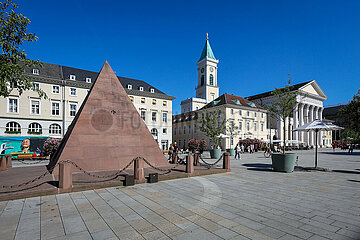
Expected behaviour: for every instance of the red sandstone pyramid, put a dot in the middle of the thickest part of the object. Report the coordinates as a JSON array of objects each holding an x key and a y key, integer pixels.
[{"x": 107, "y": 132}]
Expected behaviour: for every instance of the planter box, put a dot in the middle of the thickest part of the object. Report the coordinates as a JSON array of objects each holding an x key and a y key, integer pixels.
[
  {"x": 215, "y": 153},
  {"x": 231, "y": 151},
  {"x": 283, "y": 162}
]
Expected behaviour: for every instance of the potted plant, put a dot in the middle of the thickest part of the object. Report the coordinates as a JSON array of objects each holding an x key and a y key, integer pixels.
[
  {"x": 282, "y": 107},
  {"x": 212, "y": 127},
  {"x": 232, "y": 130}
]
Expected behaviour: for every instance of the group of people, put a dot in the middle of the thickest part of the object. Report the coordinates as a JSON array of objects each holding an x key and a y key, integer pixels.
[
  {"x": 238, "y": 150},
  {"x": 345, "y": 147}
]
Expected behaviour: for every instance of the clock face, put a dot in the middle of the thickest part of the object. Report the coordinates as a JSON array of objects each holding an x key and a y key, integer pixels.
[
  {"x": 211, "y": 69},
  {"x": 202, "y": 70}
]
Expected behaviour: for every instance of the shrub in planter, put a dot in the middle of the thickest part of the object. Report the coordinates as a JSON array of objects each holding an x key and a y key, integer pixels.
[{"x": 51, "y": 145}]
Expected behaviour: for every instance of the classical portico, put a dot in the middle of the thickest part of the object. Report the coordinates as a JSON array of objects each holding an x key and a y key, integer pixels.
[{"x": 309, "y": 107}]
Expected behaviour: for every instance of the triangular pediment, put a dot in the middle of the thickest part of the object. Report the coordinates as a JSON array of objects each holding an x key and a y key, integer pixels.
[
  {"x": 312, "y": 88},
  {"x": 107, "y": 132}
]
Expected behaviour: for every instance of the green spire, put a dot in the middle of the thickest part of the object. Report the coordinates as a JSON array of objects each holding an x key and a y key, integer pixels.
[{"x": 207, "y": 52}]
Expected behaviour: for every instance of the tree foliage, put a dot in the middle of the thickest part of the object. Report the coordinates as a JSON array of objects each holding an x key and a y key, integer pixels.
[
  {"x": 231, "y": 129},
  {"x": 283, "y": 105},
  {"x": 13, "y": 60},
  {"x": 212, "y": 127},
  {"x": 352, "y": 119}
]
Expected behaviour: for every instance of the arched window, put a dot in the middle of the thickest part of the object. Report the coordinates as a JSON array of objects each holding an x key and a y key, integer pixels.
[
  {"x": 12, "y": 127},
  {"x": 211, "y": 80},
  {"x": 35, "y": 128},
  {"x": 202, "y": 80},
  {"x": 154, "y": 132},
  {"x": 55, "y": 129}
]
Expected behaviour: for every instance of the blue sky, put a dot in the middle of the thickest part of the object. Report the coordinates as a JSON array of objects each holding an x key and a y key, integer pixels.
[{"x": 257, "y": 42}]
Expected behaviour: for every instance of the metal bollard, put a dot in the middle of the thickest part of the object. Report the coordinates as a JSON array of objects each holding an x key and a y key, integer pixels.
[
  {"x": 65, "y": 176},
  {"x": 189, "y": 164},
  {"x": 226, "y": 161},
  {"x": 129, "y": 180},
  {"x": 139, "y": 170}
]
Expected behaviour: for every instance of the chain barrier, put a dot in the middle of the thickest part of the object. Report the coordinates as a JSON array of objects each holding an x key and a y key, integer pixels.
[
  {"x": 210, "y": 165},
  {"x": 29, "y": 163},
  {"x": 100, "y": 176},
  {"x": 166, "y": 171},
  {"x": 25, "y": 183}
]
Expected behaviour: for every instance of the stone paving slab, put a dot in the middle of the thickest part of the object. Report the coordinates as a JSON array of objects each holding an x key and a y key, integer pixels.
[{"x": 251, "y": 202}]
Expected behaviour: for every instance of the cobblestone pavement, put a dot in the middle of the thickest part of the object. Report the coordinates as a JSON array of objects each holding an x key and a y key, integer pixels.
[{"x": 251, "y": 202}]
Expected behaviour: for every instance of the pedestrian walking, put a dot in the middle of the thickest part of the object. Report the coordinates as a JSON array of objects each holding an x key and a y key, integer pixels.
[
  {"x": 237, "y": 151},
  {"x": 171, "y": 151},
  {"x": 351, "y": 149},
  {"x": 242, "y": 148}
]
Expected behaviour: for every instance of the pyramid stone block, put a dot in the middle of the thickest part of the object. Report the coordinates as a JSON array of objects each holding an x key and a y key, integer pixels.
[{"x": 107, "y": 132}]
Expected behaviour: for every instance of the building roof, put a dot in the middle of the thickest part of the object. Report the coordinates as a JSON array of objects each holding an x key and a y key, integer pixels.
[
  {"x": 267, "y": 94},
  {"x": 207, "y": 51},
  {"x": 232, "y": 100},
  {"x": 332, "y": 111},
  {"x": 183, "y": 117},
  {"x": 58, "y": 72}
]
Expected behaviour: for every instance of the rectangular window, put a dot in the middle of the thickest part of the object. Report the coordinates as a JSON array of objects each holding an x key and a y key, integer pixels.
[
  {"x": 153, "y": 116},
  {"x": 231, "y": 111},
  {"x": 36, "y": 86},
  {"x": 164, "y": 103},
  {"x": 175, "y": 131},
  {"x": 35, "y": 107},
  {"x": 72, "y": 91},
  {"x": 36, "y": 71},
  {"x": 231, "y": 141},
  {"x": 255, "y": 114},
  {"x": 55, "y": 89},
  {"x": 194, "y": 128},
  {"x": 240, "y": 126},
  {"x": 248, "y": 113},
  {"x": 179, "y": 130},
  {"x": 189, "y": 129},
  {"x": 262, "y": 115},
  {"x": 13, "y": 105},
  {"x": 143, "y": 114},
  {"x": 184, "y": 130},
  {"x": 255, "y": 127},
  {"x": 55, "y": 108},
  {"x": 262, "y": 127},
  {"x": 240, "y": 113},
  {"x": 72, "y": 77},
  {"x": 164, "y": 117},
  {"x": 73, "y": 110},
  {"x": 248, "y": 126},
  {"x": 142, "y": 100},
  {"x": 164, "y": 130},
  {"x": 154, "y": 101}
]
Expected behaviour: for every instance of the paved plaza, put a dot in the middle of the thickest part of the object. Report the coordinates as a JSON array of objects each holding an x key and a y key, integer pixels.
[{"x": 251, "y": 202}]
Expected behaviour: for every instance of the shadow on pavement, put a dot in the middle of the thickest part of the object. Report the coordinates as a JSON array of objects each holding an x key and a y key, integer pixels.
[
  {"x": 341, "y": 153},
  {"x": 258, "y": 165},
  {"x": 346, "y": 171},
  {"x": 357, "y": 181}
]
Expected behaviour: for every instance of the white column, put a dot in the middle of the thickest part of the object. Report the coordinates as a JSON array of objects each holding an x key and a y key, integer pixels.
[
  {"x": 306, "y": 120},
  {"x": 311, "y": 118},
  {"x": 295, "y": 118},
  {"x": 301, "y": 120}
]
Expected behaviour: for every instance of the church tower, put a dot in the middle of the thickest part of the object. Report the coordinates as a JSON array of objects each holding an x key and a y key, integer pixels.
[{"x": 207, "y": 87}]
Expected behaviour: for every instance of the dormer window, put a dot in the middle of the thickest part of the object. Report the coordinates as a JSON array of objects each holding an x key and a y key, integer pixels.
[
  {"x": 141, "y": 88},
  {"x": 72, "y": 77},
  {"x": 152, "y": 90},
  {"x": 88, "y": 80},
  {"x": 129, "y": 86},
  {"x": 36, "y": 71}
]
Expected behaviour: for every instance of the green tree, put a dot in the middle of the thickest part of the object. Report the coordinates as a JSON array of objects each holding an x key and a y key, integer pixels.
[
  {"x": 352, "y": 113},
  {"x": 283, "y": 105},
  {"x": 212, "y": 127},
  {"x": 231, "y": 129},
  {"x": 13, "y": 60}
]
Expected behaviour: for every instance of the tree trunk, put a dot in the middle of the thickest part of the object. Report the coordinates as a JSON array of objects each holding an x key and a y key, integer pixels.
[{"x": 284, "y": 130}]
